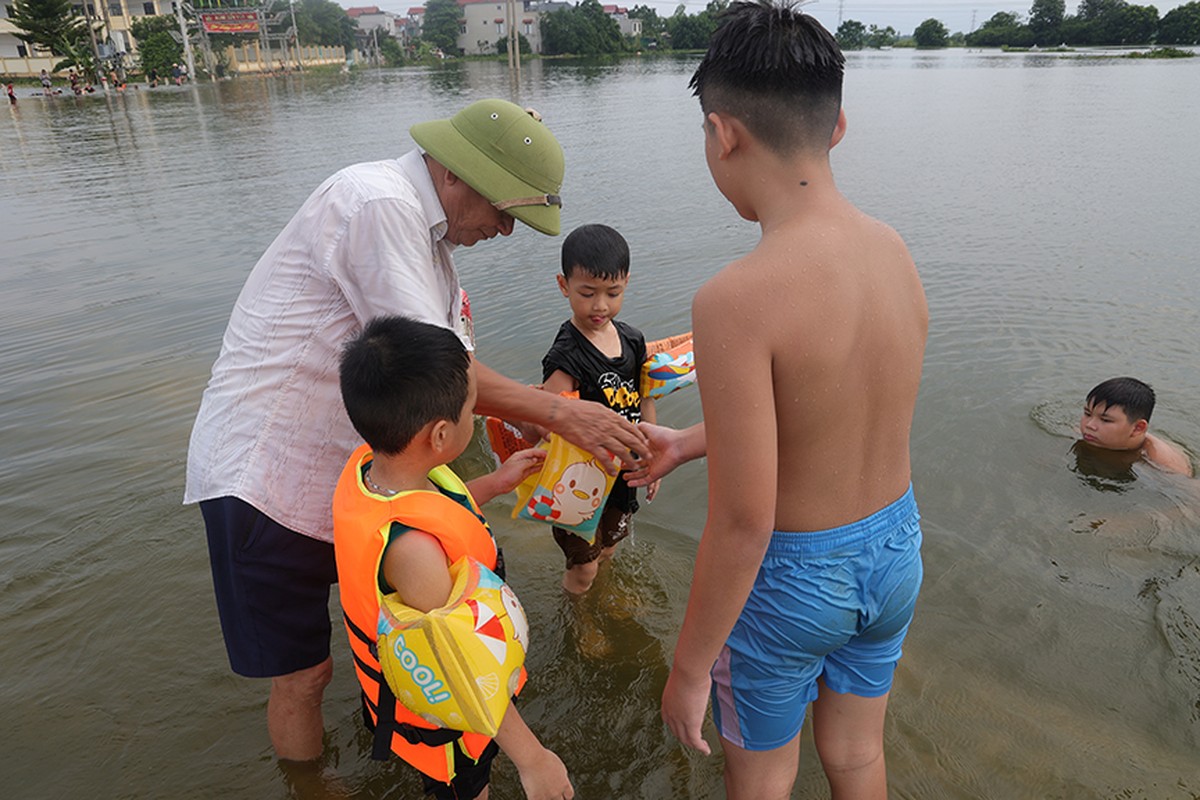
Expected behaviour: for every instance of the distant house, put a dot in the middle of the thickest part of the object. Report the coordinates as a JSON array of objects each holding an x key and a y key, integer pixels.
[
  {"x": 629, "y": 27},
  {"x": 483, "y": 24},
  {"x": 369, "y": 18},
  {"x": 413, "y": 22}
]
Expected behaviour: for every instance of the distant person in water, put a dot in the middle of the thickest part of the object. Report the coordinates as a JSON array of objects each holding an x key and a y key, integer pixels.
[{"x": 1116, "y": 416}]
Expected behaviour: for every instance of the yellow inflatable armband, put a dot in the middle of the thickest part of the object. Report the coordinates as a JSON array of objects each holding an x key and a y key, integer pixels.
[
  {"x": 670, "y": 365},
  {"x": 569, "y": 492},
  {"x": 457, "y": 666}
]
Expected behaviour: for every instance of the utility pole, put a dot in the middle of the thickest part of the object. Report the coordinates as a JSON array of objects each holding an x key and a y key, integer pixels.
[
  {"x": 264, "y": 43},
  {"x": 514, "y": 43},
  {"x": 87, "y": 14},
  {"x": 189, "y": 56},
  {"x": 840, "y": 4},
  {"x": 295, "y": 36},
  {"x": 120, "y": 70}
]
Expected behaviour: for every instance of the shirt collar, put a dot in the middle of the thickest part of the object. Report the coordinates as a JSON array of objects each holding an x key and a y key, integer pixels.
[{"x": 413, "y": 164}]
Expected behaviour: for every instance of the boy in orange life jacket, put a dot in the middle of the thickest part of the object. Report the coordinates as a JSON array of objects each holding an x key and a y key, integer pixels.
[{"x": 409, "y": 389}]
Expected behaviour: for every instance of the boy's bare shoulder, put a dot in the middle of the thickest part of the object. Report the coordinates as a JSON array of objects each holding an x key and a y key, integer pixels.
[
  {"x": 1167, "y": 456},
  {"x": 736, "y": 296}
]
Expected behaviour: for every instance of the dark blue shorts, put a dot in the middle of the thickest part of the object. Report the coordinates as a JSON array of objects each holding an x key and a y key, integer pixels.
[
  {"x": 830, "y": 605},
  {"x": 272, "y": 586}
]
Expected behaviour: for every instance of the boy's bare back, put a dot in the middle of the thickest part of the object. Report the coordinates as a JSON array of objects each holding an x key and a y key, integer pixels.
[{"x": 828, "y": 318}]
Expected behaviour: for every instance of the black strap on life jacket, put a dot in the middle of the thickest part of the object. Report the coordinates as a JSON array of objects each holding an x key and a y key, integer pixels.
[{"x": 385, "y": 710}]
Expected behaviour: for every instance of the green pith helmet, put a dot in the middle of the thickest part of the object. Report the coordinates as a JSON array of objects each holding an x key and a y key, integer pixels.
[{"x": 506, "y": 154}]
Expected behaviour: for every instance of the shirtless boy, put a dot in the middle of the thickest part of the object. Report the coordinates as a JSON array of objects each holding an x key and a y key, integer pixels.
[
  {"x": 1116, "y": 416},
  {"x": 810, "y": 349}
]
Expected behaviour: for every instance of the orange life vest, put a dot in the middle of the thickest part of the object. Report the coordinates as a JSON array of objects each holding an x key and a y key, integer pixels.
[{"x": 361, "y": 521}]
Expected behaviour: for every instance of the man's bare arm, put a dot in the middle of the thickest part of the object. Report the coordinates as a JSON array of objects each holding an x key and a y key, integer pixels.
[
  {"x": 741, "y": 441},
  {"x": 599, "y": 430}
]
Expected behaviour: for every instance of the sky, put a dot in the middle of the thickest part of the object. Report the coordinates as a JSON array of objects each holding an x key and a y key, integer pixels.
[{"x": 903, "y": 15}]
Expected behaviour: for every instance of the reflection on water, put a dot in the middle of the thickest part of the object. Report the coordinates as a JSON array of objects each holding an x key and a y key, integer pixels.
[
  {"x": 1046, "y": 201},
  {"x": 1104, "y": 470}
]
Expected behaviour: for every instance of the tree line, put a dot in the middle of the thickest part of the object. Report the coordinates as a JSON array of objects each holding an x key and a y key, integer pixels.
[
  {"x": 1096, "y": 22},
  {"x": 584, "y": 29},
  {"x": 54, "y": 25}
]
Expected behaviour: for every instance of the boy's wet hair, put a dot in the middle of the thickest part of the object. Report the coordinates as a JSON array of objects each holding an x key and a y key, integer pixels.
[
  {"x": 398, "y": 375},
  {"x": 1134, "y": 396},
  {"x": 597, "y": 250},
  {"x": 778, "y": 71}
]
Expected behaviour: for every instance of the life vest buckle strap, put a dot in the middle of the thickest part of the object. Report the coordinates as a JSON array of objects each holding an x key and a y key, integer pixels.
[{"x": 431, "y": 737}]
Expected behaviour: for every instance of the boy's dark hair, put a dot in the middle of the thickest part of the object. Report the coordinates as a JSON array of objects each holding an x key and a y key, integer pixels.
[
  {"x": 397, "y": 376},
  {"x": 778, "y": 71},
  {"x": 597, "y": 250},
  {"x": 1136, "y": 397}
]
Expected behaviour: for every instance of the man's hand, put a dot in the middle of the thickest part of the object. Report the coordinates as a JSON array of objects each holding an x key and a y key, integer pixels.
[
  {"x": 600, "y": 431},
  {"x": 683, "y": 705}
]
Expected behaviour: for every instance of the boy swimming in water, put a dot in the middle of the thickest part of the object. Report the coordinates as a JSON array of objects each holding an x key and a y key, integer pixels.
[
  {"x": 409, "y": 389},
  {"x": 1116, "y": 416},
  {"x": 809, "y": 350}
]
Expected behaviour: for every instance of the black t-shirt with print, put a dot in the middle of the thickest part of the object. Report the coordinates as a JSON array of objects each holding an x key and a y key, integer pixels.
[{"x": 614, "y": 382}]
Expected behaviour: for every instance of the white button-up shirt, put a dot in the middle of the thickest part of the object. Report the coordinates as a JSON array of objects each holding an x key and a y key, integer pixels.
[{"x": 271, "y": 429}]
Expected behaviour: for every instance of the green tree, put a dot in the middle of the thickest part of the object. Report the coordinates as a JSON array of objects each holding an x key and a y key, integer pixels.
[
  {"x": 523, "y": 45},
  {"x": 931, "y": 33},
  {"x": 1128, "y": 24},
  {"x": 1094, "y": 9},
  {"x": 881, "y": 37},
  {"x": 693, "y": 32},
  {"x": 51, "y": 24},
  {"x": 851, "y": 35},
  {"x": 392, "y": 52},
  {"x": 157, "y": 49},
  {"x": 1004, "y": 28},
  {"x": 580, "y": 30},
  {"x": 321, "y": 22},
  {"x": 1045, "y": 21},
  {"x": 1181, "y": 25},
  {"x": 440, "y": 27}
]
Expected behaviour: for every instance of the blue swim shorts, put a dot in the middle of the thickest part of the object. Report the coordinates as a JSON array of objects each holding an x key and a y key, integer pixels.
[{"x": 832, "y": 604}]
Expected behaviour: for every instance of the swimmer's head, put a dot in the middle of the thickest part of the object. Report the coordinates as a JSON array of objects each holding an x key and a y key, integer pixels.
[
  {"x": 1116, "y": 414},
  {"x": 778, "y": 71}
]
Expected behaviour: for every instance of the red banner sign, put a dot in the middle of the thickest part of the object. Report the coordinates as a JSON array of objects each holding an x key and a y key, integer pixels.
[{"x": 229, "y": 21}]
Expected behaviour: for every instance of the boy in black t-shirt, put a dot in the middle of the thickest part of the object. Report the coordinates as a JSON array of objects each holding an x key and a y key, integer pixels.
[{"x": 602, "y": 359}]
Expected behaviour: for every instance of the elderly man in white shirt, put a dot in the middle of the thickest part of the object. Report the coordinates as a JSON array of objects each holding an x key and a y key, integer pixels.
[{"x": 271, "y": 435}]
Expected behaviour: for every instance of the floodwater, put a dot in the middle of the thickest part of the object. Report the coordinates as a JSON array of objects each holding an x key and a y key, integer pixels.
[{"x": 1051, "y": 206}]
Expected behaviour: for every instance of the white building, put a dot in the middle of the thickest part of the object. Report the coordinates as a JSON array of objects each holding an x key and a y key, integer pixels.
[
  {"x": 482, "y": 25},
  {"x": 369, "y": 18},
  {"x": 18, "y": 58},
  {"x": 629, "y": 27}
]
